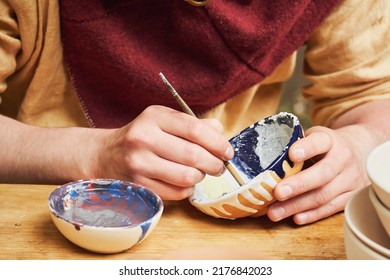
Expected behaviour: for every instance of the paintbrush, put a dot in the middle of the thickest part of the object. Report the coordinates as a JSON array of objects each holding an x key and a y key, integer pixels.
[{"x": 188, "y": 110}]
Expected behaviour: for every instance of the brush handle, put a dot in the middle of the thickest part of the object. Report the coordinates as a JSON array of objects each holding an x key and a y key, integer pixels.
[
  {"x": 184, "y": 105},
  {"x": 234, "y": 173},
  {"x": 178, "y": 98}
]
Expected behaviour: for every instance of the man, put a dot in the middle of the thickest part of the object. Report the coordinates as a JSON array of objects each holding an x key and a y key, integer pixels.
[{"x": 81, "y": 95}]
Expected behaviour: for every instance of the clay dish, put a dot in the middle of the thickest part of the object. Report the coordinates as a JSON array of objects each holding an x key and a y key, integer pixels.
[
  {"x": 378, "y": 169},
  {"x": 364, "y": 236},
  {"x": 261, "y": 159},
  {"x": 103, "y": 215},
  {"x": 382, "y": 211}
]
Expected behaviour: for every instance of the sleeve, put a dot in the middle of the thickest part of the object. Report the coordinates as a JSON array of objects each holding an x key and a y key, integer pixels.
[
  {"x": 347, "y": 60},
  {"x": 10, "y": 43}
]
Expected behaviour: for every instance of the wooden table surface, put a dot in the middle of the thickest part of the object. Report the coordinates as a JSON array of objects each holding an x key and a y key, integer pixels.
[{"x": 27, "y": 232}]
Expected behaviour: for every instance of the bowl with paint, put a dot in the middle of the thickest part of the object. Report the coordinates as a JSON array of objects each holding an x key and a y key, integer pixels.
[
  {"x": 261, "y": 160},
  {"x": 105, "y": 215}
]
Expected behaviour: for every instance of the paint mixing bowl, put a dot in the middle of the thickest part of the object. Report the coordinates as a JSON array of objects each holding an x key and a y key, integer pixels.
[
  {"x": 261, "y": 160},
  {"x": 104, "y": 215}
]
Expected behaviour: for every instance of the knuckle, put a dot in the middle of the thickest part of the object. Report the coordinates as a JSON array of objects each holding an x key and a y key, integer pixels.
[
  {"x": 327, "y": 172},
  {"x": 331, "y": 208},
  {"x": 323, "y": 196},
  {"x": 195, "y": 129},
  {"x": 189, "y": 177},
  {"x": 135, "y": 164},
  {"x": 138, "y": 137},
  {"x": 325, "y": 132},
  {"x": 215, "y": 123},
  {"x": 301, "y": 187},
  {"x": 192, "y": 155},
  {"x": 348, "y": 154},
  {"x": 293, "y": 207},
  {"x": 152, "y": 110}
]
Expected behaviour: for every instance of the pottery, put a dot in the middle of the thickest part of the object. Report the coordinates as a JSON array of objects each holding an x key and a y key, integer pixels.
[
  {"x": 382, "y": 211},
  {"x": 378, "y": 170},
  {"x": 364, "y": 234},
  {"x": 261, "y": 160},
  {"x": 104, "y": 215},
  {"x": 356, "y": 249}
]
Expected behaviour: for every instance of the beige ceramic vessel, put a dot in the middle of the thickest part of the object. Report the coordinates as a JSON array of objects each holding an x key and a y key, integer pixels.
[
  {"x": 378, "y": 169},
  {"x": 364, "y": 236},
  {"x": 382, "y": 211}
]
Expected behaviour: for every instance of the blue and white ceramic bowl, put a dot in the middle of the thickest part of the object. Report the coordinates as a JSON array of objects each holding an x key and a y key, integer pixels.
[
  {"x": 261, "y": 160},
  {"x": 104, "y": 215}
]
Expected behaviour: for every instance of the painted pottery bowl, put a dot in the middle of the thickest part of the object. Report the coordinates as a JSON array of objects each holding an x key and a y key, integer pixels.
[
  {"x": 261, "y": 160},
  {"x": 364, "y": 235},
  {"x": 378, "y": 169},
  {"x": 382, "y": 211},
  {"x": 104, "y": 215}
]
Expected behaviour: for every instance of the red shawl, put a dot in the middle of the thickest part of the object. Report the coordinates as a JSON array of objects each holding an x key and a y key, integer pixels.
[{"x": 115, "y": 50}]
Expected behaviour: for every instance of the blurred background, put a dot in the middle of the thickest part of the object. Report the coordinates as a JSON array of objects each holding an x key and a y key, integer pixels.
[{"x": 292, "y": 100}]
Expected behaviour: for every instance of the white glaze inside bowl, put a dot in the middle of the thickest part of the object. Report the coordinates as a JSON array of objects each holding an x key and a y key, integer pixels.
[
  {"x": 271, "y": 142},
  {"x": 216, "y": 186}
]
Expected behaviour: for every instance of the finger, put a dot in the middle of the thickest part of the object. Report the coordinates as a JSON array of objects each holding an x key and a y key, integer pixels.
[
  {"x": 319, "y": 174},
  {"x": 306, "y": 201},
  {"x": 188, "y": 154},
  {"x": 215, "y": 123},
  {"x": 148, "y": 165},
  {"x": 199, "y": 132},
  {"x": 334, "y": 206},
  {"x": 164, "y": 190},
  {"x": 317, "y": 141}
]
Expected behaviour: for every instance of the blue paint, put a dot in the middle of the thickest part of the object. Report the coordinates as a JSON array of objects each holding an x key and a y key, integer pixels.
[
  {"x": 145, "y": 228},
  {"x": 244, "y": 144},
  {"x": 244, "y": 158},
  {"x": 103, "y": 202}
]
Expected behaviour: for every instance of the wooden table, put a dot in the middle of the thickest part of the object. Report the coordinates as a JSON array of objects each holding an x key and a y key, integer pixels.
[{"x": 27, "y": 232}]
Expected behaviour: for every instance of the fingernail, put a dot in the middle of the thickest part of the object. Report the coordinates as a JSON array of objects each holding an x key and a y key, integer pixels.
[
  {"x": 229, "y": 153},
  {"x": 301, "y": 218},
  {"x": 278, "y": 213},
  {"x": 299, "y": 154},
  {"x": 284, "y": 192},
  {"x": 190, "y": 191},
  {"x": 222, "y": 171}
]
